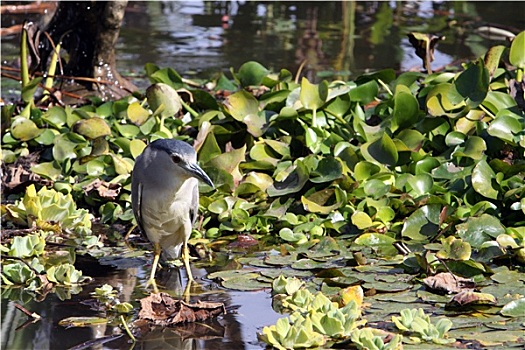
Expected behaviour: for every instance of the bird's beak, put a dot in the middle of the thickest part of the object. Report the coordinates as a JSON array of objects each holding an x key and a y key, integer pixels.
[{"x": 196, "y": 171}]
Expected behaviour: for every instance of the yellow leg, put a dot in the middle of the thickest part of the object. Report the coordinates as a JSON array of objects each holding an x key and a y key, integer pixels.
[
  {"x": 156, "y": 257},
  {"x": 186, "y": 259}
]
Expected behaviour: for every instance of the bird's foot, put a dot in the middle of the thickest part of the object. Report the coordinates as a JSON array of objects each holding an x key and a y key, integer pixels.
[{"x": 152, "y": 283}]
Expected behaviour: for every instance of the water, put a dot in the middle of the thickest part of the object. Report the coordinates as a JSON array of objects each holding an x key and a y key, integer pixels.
[
  {"x": 198, "y": 39},
  {"x": 338, "y": 39},
  {"x": 247, "y": 313}
]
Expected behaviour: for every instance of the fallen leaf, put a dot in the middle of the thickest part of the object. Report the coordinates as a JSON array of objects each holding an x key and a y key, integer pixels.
[
  {"x": 19, "y": 175},
  {"x": 468, "y": 297},
  {"x": 446, "y": 282},
  {"x": 244, "y": 241},
  {"x": 354, "y": 293},
  {"x": 104, "y": 189},
  {"x": 161, "y": 309}
]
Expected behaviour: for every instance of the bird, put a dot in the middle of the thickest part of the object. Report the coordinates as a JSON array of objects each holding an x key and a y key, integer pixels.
[{"x": 165, "y": 198}]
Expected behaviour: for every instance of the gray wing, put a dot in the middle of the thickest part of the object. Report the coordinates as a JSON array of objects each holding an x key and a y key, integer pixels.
[
  {"x": 136, "y": 201},
  {"x": 194, "y": 208}
]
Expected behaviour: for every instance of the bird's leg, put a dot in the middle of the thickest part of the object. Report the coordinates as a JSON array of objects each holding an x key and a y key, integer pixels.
[
  {"x": 187, "y": 291},
  {"x": 186, "y": 259},
  {"x": 151, "y": 281}
]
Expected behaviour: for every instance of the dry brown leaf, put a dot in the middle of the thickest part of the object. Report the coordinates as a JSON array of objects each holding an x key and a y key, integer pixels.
[
  {"x": 472, "y": 298},
  {"x": 104, "y": 189},
  {"x": 19, "y": 175},
  {"x": 161, "y": 309},
  {"x": 446, "y": 282}
]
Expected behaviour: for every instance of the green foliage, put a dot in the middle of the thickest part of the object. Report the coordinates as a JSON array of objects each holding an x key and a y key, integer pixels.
[
  {"x": 315, "y": 318},
  {"x": 50, "y": 210},
  {"x": 416, "y": 158},
  {"x": 416, "y": 321},
  {"x": 367, "y": 339},
  {"x": 108, "y": 297}
]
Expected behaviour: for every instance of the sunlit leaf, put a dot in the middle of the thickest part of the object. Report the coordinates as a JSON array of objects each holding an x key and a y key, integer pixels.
[
  {"x": 482, "y": 176},
  {"x": 92, "y": 128}
]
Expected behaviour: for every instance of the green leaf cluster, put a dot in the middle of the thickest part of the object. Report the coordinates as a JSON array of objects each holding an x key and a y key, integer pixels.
[
  {"x": 51, "y": 210},
  {"x": 315, "y": 318},
  {"x": 416, "y": 321}
]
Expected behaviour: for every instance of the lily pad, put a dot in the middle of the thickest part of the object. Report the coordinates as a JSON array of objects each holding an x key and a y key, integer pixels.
[
  {"x": 515, "y": 308},
  {"x": 24, "y": 129},
  {"x": 92, "y": 128}
]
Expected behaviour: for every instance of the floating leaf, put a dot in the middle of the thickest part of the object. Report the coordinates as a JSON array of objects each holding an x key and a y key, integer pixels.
[
  {"x": 292, "y": 184},
  {"x": 516, "y": 56},
  {"x": 383, "y": 150},
  {"x": 313, "y": 96},
  {"x": 505, "y": 126},
  {"x": 82, "y": 321},
  {"x": 92, "y": 128},
  {"x": 454, "y": 249},
  {"x": 473, "y": 84},
  {"x": 163, "y": 100},
  {"x": 406, "y": 109},
  {"x": 515, "y": 308},
  {"x": 473, "y": 298},
  {"x": 422, "y": 223},
  {"x": 478, "y": 230},
  {"x": 242, "y": 104},
  {"x": 251, "y": 73},
  {"x": 361, "y": 220},
  {"x": 24, "y": 129},
  {"x": 448, "y": 283},
  {"x": 137, "y": 114}
]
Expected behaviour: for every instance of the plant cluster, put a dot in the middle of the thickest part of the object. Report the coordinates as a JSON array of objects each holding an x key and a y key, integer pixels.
[{"x": 435, "y": 161}]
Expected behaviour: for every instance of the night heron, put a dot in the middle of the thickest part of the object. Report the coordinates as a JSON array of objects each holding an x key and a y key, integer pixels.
[{"x": 165, "y": 198}]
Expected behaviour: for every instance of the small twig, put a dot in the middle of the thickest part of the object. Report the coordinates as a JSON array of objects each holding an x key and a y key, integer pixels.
[
  {"x": 299, "y": 71},
  {"x": 33, "y": 315}
]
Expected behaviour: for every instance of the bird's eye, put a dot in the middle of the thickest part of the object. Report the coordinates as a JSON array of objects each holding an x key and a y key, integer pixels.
[{"x": 176, "y": 159}]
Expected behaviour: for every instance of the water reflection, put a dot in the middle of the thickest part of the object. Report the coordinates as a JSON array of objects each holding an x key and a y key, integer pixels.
[
  {"x": 339, "y": 39},
  {"x": 247, "y": 313}
]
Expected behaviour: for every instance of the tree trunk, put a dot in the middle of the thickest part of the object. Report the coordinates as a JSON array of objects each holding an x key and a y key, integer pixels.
[{"x": 89, "y": 31}]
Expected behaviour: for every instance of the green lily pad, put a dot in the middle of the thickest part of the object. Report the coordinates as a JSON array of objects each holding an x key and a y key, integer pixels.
[
  {"x": 515, "y": 308},
  {"x": 251, "y": 73},
  {"x": 362, "y": 220},
  {"x": 137, "y": 114},
  {"x": 313, "y": 96},
  {"x": 473, "y": 84},
  {"x": 242, "y": 104},
  {"x": 293, "y": 183},
  {"x": 516, "y": 56},
  {"x": 423, "y": 223},
  {"x": 406, "y": 108},
  {"x": 328, "y": 169},
  {"x": 383, "y": 150},
  {"x": 478, "y": 230},
  {"x": 92, "y": 128},
  {"x": 47, "y": 170},
  {"x": 163, "y": 100},
  {"x": 24, "y": 129},
  {"x": 364, "y": 170},
  {"x": 505, "y": 126},
  {"x": 454, "y": 249}
]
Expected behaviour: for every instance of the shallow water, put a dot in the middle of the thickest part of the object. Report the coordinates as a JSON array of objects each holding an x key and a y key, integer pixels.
[{"x": 247, "y": 313}]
